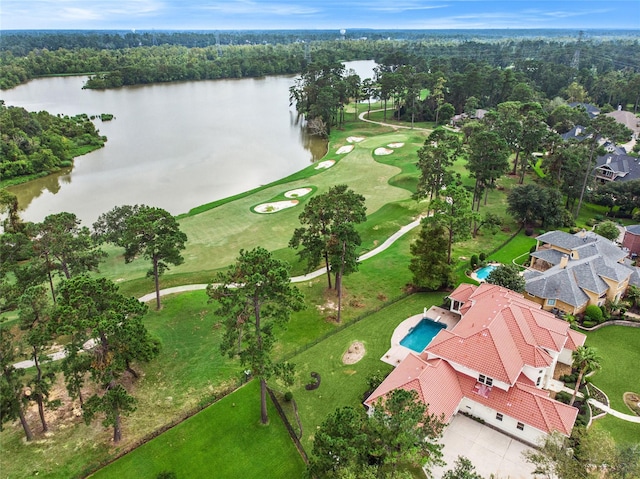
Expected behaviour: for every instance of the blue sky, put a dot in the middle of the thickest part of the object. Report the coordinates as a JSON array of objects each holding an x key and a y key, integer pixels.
[{"x": 317, "y": 14}]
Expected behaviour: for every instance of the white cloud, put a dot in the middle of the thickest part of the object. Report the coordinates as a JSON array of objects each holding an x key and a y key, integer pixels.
[{"x": 244, "y": 7}]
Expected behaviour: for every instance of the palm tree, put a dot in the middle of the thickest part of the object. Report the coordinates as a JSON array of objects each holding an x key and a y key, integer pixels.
[
  {"x": 633, "y": 295},
  {"x": 585, "y": 359}
]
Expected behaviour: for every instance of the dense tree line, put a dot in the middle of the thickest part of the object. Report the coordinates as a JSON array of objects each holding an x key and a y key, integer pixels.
[{"x": 34, "y": 143}]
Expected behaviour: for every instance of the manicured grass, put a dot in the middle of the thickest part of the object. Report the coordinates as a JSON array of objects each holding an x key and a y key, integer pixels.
[
  {"x": 226, "y": 440},
  {"x": 618, "y": 348},
  {"x": 341, "y": 384}
]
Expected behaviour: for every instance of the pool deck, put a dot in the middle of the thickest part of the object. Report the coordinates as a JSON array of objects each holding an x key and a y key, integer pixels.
[
  {"x": 474, "y": 276},
  {"x": 397, "y": 352}
]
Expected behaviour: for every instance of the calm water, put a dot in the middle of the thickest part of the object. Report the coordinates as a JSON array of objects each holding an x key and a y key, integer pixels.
[
  {"x": 175, "y": 145},
  {"x": 421, "y": 335}
]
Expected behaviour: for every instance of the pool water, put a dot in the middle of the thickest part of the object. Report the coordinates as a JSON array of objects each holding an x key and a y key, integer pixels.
[
  {"x": 421, "y": 335},
  {"x": 483, "y": 272}
]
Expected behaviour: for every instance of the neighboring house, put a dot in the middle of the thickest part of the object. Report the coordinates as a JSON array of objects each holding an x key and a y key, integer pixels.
[
  {"x": 569, "y": 272},
  {"x": 628, "y": 119},
  {"x": 575, "y": 133},
  {"x": 631, "y": 240},
  {"x": 494, "y": 364},
  {"x": 617, "y": 167},
  {"x": 591, "y": 110}
]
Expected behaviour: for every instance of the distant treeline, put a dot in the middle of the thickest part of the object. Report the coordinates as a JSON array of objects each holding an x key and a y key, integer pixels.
[
  {"x": 547, "y": 65},
  {"x": 33, "y": 144}
]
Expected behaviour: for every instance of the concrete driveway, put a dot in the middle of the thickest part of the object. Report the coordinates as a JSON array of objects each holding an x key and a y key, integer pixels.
[{"x": 490, "y": 452}]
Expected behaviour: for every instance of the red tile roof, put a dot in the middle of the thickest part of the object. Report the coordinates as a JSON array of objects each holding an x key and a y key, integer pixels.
[
  {"x": 527, "y": 404},
  {"x": 442, "y": 388},
  {"x": 435, "y": 381},
  {"x": 500, "y": 332}
]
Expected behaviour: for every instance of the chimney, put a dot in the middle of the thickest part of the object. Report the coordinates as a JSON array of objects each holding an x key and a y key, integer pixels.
[{"x": 563, "y": 261}]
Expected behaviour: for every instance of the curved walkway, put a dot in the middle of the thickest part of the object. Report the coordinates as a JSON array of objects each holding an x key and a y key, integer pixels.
[
  {"x": 607, "y": 409},
  {"x": 364, "y": 113},
  {"x": 296, "y": 279}
]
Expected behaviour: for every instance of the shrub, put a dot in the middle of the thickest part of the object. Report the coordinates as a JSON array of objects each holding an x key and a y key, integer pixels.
[
  {"x": 563, "y": 397},
  {"x": 474, "y": 261},
  {"x": 288, "y": 396},
  {"x": 592, "y": 222},
  {"x": 589, "y": 323},
  {"x": 315, "y": 384},
  {"x": 593, "y": 313},
  {"x": 482, "y": 256},
  {"x": 528, "y": 231}
]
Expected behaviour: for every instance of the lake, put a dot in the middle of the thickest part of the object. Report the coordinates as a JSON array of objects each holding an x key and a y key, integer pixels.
[{"x": 171, "y": 145}]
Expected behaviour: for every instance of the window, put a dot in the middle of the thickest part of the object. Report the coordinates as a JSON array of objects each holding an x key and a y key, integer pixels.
[
  {"x": 551, "y": 302},
  {"x": 539, "y": 381},
  {"x": 499, "y": 416},
  {"x": 485, "y": 380},
  {"x": 520, "y": 426}
]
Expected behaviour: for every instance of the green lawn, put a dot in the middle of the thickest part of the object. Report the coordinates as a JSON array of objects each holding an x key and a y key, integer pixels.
[
  {"x": 225, "y": 440},
  {"x": 342, "y": 384},
  {"x": 618, "y": 348}
]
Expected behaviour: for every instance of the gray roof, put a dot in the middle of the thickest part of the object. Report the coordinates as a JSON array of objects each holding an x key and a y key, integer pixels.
[
  {"x": 592, "y": 110},
  {"x": 564, "y": 240},
  {"x": 635, "y": 277},
  {"x": 634, "y": 229},
  {"x": 598, "y": 258},
  {"x": 551, "y": 256},
  {"x": 555, "y": 286},
  {"x": 625, "y": 167},
  {"x": 577, "y": 132}
]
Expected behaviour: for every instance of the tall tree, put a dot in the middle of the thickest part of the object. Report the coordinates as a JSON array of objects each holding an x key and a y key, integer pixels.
[
  {"x": 531, "y": 203},
  {"x": 35, "y": 320},
  {"x": 12, "y": 399},
  {"x": 488, "y": 160},
  {"x": 402, "y": 431},
  {"x": 435, "y": 159},
  {"x": 454, "y": 213},
  {"x": 585, "y": 359},
  {"x": 255, "y": 296},
  {"x": 93, "y": 310},
  {"x": 428, "y": 264},
  {"x": 9, "y": 206},
  {"x": 64, "y": 246},
  {"x": 323, "y": 217},
  {"x": 147, "y": 231},
  {"x": 437, "y": 94}
]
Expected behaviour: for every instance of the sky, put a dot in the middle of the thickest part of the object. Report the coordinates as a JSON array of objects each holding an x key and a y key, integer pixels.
[{"x": 317, "y": 14}]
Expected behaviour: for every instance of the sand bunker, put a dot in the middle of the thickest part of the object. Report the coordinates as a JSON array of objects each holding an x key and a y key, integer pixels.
[
  {"x": 395, "y": 145},
  {"x": 344, "y": 149},
  {"x": 297, "y": 193},
  {"x": 275, "y": 206},
  {"x": 355, "y": 139},
  {"x": 325, "y": 164},
  {"x": 382, "y": 151},
  {"x": 354, "y": 354}
]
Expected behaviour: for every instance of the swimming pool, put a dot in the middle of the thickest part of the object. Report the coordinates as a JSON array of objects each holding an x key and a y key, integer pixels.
[
  {"x": 421, "y": 334},
  {"x": 483, "y": 272}
]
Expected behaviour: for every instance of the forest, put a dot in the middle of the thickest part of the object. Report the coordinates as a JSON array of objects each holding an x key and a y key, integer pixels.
[{"x": 37, "y": 143}]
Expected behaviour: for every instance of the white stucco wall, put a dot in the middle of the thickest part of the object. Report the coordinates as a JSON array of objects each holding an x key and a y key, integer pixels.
[{"x": 508, "y": 424}]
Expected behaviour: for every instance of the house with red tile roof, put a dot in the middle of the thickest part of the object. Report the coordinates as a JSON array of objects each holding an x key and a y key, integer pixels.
[{"x": 496, "y": 364}]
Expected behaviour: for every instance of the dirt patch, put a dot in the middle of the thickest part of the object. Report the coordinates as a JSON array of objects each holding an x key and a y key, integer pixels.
[
  {"x": 632, "y": 400},
  {"x": 354, "y": 353}
]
